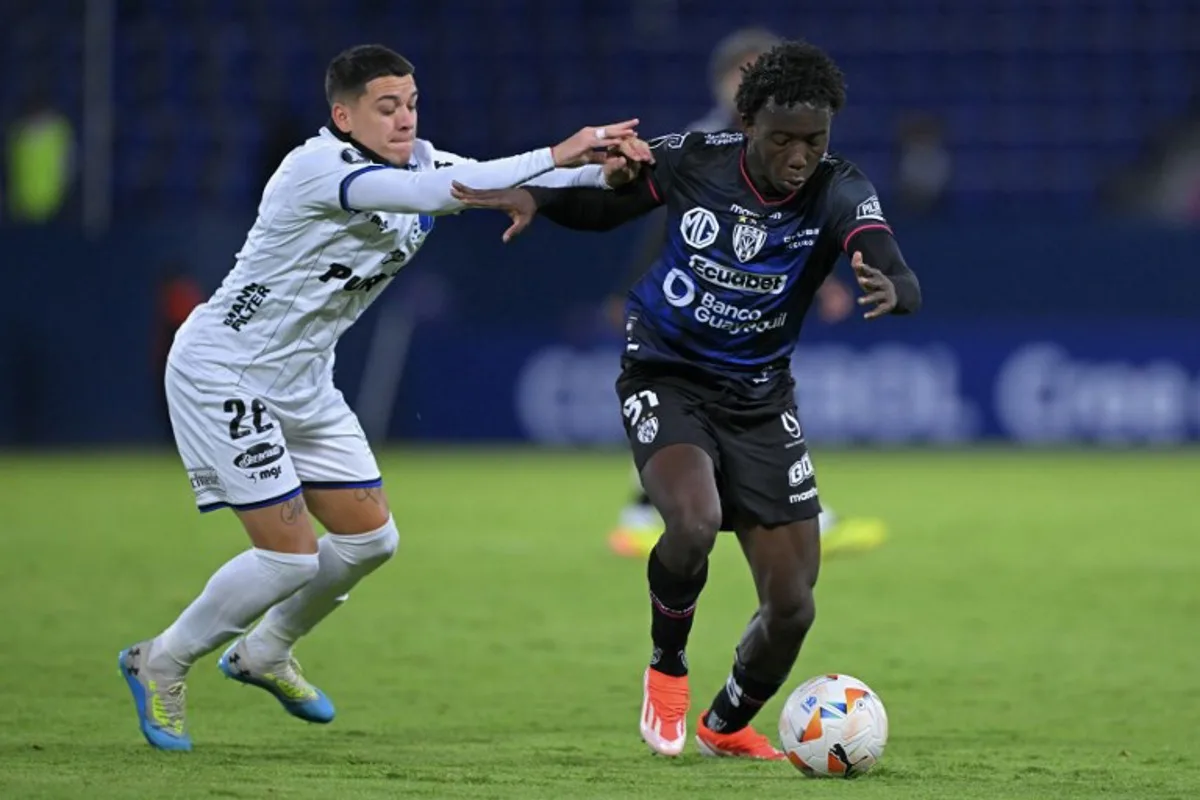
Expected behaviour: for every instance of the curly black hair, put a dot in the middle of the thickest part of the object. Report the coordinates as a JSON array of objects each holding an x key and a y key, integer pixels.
[{"x": 794, "y": 72}]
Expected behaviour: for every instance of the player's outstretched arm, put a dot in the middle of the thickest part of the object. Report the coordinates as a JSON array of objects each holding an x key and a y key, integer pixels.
[
  {"x": 403, "y": 191},
  {"x": 577, "y": 208},
  {"x": 608, "y": 169},
  {"x": 883, "y": 275}
]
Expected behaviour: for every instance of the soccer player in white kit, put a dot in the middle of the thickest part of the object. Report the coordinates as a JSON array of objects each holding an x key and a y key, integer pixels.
[{"x": 258, "y": 422}]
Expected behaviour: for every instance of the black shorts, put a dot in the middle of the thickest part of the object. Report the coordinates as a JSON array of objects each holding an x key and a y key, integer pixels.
[{"x": 752, "y": 432}]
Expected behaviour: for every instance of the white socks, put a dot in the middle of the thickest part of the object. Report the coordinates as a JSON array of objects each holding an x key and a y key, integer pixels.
[
  {"x": 344, "y": 560},
  {"x": 236, "y": 594}
]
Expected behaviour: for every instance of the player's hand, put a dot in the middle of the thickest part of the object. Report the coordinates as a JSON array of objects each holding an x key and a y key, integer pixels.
[
  {"x": 835, "y": 301},
  {"x": 517, "y": 203},
  {"x": 578, "y": 150},
  {"x": 878, "y": 287},
  {"x": 623, "y": 162}
]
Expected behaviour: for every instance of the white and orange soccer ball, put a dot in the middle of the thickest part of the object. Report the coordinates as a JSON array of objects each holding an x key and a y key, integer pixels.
[{"x": 833, "y": 726}]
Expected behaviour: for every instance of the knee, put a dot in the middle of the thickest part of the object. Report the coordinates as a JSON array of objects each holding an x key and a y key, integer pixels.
[
  {"x": 691, "y": 532},
  {"x": 378, "y": 546},
  {"x": 791, "y": 615},
  {"x": 288, "y": 571},
  {"x": 389, "y": 541},
  {"x": 307, "y": 570}
]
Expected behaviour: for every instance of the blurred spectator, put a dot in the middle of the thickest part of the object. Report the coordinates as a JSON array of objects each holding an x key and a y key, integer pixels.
[
  {"x": 1165, "y": 183},
  {"x": 923, "y": 165},
  {"x": 178, "y": 294},
  {"x": 40, "y": 154}
]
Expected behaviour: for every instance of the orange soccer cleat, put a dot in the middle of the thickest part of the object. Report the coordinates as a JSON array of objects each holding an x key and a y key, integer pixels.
[
  {"x": 744, "y": 743},
  {"x": 665, "y": 700}
]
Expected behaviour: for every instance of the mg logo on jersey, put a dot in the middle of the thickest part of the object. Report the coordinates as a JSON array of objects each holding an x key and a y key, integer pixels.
[
  {"x": 730, "y": 278},
  {"x": 747, "y": 241},
  {"x": 699, "y": 228}
]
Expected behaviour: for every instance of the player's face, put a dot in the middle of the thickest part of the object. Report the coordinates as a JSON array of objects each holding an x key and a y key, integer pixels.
[
  {"x": 384, "y": 117},
  {"x": 786, "y": 144}
]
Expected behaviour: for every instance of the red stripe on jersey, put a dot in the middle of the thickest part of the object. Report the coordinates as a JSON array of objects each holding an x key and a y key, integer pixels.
[
  {"x": 753, "y": 188},
  {"x": 654, "y": 190},
  {"x": 860, "y": 229}
]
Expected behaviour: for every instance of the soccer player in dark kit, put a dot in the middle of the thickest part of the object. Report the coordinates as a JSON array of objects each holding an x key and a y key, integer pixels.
[{"x": 757, "y": 222}]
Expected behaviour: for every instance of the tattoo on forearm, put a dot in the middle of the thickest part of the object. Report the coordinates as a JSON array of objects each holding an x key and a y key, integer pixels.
[{"x": 291, "y": 511}]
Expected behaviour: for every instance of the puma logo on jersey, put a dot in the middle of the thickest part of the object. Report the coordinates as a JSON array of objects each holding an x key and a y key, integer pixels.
[{"x": 340, "y": 272}]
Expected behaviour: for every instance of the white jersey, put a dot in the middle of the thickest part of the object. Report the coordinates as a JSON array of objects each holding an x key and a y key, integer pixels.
[{"x": 334, "y": 226}]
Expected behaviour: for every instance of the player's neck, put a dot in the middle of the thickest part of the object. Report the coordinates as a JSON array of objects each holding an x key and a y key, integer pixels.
[
  {"x": 758, "y": 179},
  {"x": 348, "y": 138}
]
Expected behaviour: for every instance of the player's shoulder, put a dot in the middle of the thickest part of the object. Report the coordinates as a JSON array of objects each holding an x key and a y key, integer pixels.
[
  {"x": 426, "y": 155},
  {"x": 847, "y": 186},
  {"x": 698, "y": 147},
  {"x": 699, "y": 141},
  {"x": 322, "y": 154},
  {"x": 841, "y": 170}
]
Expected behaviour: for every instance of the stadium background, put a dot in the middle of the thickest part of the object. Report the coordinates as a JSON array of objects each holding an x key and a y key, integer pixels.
[
  {"x": 1057, "y": 256},
  {"x": 1029, "y": 621}
]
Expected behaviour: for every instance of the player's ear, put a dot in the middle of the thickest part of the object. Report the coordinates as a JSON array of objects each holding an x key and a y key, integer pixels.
[{"x": 340, "y": 115}]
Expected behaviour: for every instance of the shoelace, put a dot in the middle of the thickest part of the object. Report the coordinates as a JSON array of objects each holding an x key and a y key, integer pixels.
[
  {"x": 291, "y": 681},
  {"x": 169, "y": 706},
  {"x": 670, "y": 700}
]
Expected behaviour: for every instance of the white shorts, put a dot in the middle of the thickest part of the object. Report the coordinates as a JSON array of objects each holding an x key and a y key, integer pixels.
[{"x": 246, "y": 452}]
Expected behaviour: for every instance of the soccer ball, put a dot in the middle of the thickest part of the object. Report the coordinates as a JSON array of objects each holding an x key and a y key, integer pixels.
[{"x": 833, "y": 726}]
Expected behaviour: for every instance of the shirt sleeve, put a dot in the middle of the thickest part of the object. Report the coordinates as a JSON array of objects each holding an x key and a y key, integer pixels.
[
  {"x": 856, "y": 208},
  {"x": 591, "y": 175},
  {"x": 379, "y": 188},
  {"x": 329, "y": 181},
  {"x": 668, "y": 153},
  {"x": 590, "y": 209},
  {"x": 860, "y": 225}
]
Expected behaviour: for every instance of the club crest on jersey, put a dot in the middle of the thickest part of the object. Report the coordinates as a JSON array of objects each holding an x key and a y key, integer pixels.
[
  {"x": 647, "y": 430},
  {"x": 747, "y": 241}
]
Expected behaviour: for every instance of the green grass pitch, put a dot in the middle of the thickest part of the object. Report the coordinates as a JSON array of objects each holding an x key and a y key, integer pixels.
[{"x": 1032, "y": 624}]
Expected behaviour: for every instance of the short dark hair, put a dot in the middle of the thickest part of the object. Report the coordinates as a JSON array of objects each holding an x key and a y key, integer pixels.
[
  {"x": 351, "y": 70},
  {"x": 792, "y": 73}
]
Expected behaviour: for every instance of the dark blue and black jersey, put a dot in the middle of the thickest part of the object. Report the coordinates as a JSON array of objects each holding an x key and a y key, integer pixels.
[{"x": 738, "y": 271}]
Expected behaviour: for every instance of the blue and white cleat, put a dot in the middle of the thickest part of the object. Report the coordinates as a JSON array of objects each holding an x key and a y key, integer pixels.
[
  {"x": 284, "y": 680},
  {"x": 160, "y": 699}
]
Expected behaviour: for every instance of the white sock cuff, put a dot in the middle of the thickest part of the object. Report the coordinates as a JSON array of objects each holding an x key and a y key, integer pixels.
[
  {"x": 359, "y": 547},
  {"x": 275, "y": 558},
  {"x": 298, "y": 568}
]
